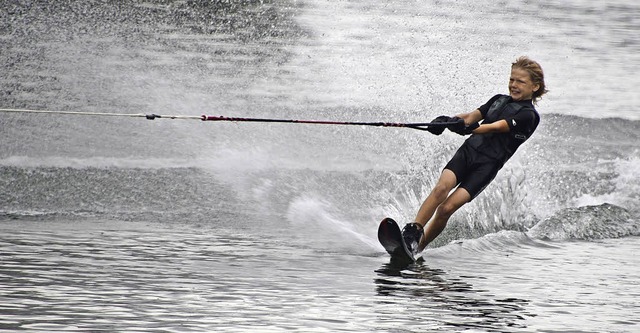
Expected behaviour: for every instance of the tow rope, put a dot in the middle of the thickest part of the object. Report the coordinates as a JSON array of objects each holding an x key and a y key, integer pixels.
[{"x": 152, "y": 116}]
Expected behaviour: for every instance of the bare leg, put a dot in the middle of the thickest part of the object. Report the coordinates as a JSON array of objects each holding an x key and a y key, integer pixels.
[
  {"x": 437, "y": 196},
  {"x": 457, "y": 199}
]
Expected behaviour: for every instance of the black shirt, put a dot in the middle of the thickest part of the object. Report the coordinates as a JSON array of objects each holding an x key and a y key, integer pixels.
[
  {"x": 522, "y": 118},
  {"x": 522, "y": 121}
]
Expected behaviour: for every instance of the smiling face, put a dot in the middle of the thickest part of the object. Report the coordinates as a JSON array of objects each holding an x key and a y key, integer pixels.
[{"x": 521, "y": 87}]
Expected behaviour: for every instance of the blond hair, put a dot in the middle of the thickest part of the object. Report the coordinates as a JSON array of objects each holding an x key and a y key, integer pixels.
[{"x": 535, "y": 73}]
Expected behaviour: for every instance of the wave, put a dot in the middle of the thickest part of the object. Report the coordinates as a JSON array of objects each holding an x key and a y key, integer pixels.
[
  {"x": 588, "y": 223},
  {"x": 499, "y": 241},
  {"x": 97, "y": 162},
  {"x": 610, "y": 132},
  {"x": 176, "y": 194},
  {"x": 39, "y": 215}
]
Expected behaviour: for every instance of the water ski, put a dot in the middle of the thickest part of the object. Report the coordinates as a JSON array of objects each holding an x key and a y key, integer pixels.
[{"x": 390, "y": 236}]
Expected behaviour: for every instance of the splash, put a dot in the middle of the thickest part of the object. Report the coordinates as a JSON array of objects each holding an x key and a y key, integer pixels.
[
  {"x": 321, "y": 219},
  {"x": 625, "y": 186}
]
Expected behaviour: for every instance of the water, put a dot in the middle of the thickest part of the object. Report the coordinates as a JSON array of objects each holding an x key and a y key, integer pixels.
[
  {"x": 126, "y": 224},
  {"x": 137, "y": 277}
]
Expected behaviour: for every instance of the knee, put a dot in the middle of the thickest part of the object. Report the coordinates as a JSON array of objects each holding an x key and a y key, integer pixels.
[
  {"x": 440, "y": 191},
  {"x": 446, "y": 210}
]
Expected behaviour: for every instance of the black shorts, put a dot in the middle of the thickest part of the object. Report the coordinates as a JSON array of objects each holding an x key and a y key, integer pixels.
[{"x": 473, "y": 170}]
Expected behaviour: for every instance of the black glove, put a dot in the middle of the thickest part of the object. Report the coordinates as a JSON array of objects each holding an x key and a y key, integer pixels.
[
  {"x": 460, "y": 128},
  {"x": 438, "y": 129},
  {"x": 457, "y": 126}
]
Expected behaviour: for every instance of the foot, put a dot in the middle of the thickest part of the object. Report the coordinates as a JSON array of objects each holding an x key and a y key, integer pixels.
[{"x": 412, "y": 233}]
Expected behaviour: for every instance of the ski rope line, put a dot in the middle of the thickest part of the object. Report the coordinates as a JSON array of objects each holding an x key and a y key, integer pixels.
[{"x": 152, "y": 116}]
